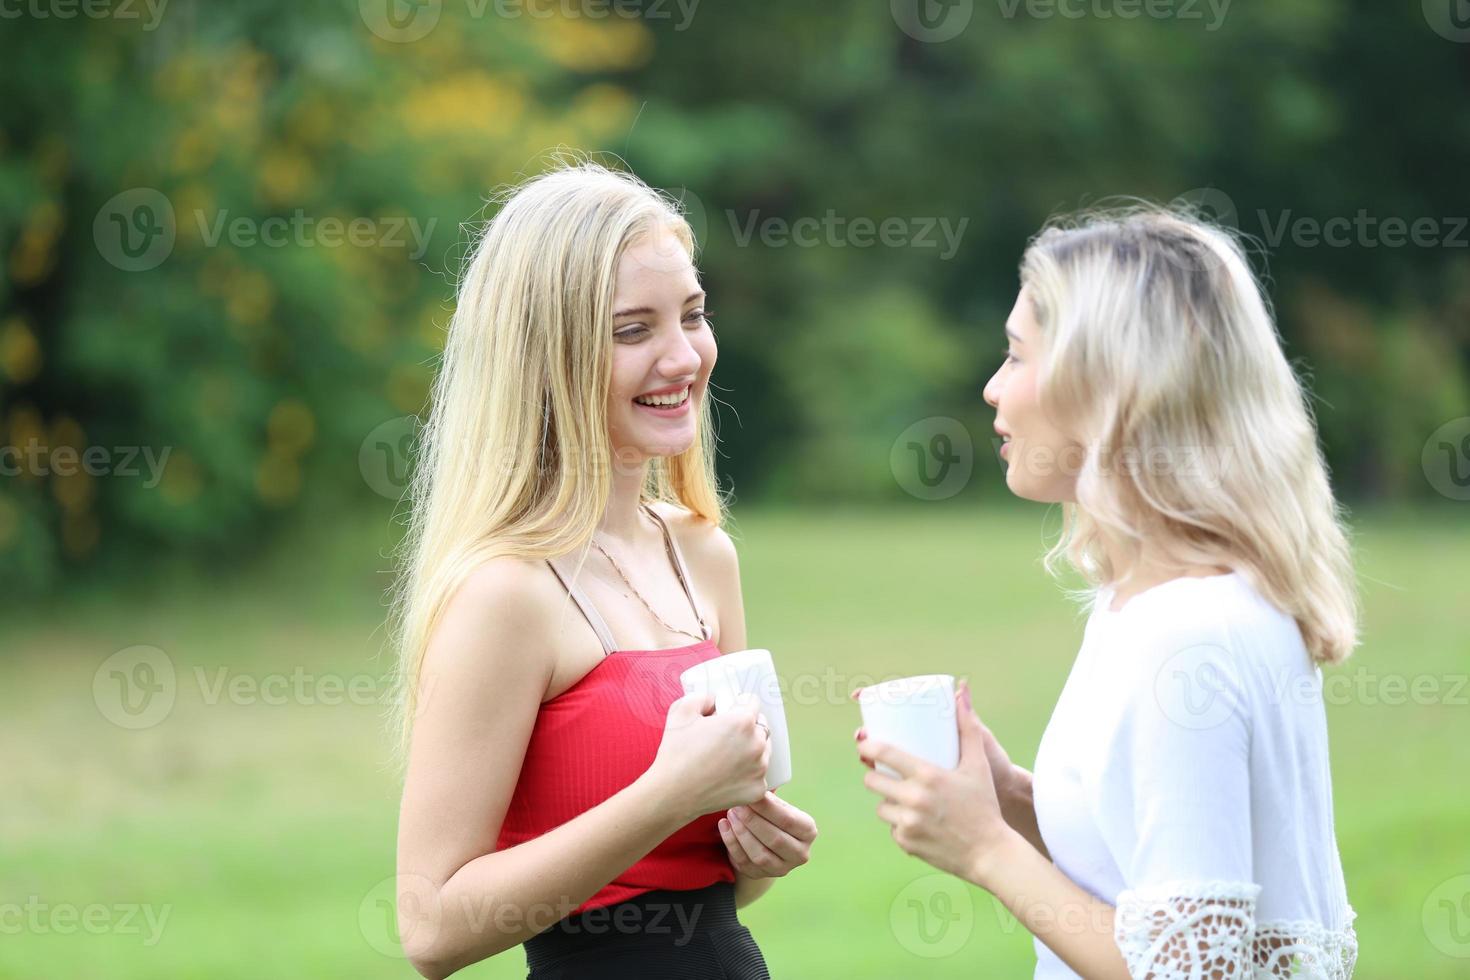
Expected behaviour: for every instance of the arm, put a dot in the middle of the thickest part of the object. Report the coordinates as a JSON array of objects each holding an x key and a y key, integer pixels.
[
  {"x": 484, "y": 674},
  {"x": 482, "y": 683},
  {"x": 952, "y": 818},
  {"x": 1019, "y": 809},
  {"x": 1013, "y": 789},
  {"x": 1174, "y": 811},
  {"x": 748, "y": 890},
  {"x": 1077, "y": 926}
]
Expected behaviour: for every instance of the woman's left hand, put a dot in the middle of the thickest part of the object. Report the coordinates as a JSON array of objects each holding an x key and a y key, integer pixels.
[
  {"x": 769, "y": 838},
  {"x": 950, "y": 818}
]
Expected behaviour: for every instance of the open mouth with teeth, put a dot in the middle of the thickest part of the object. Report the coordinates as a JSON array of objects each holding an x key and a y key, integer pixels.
[{"x": 667, "y": 402}]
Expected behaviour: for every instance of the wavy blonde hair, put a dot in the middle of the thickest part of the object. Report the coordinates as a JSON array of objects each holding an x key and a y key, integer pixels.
[
  {"x": 1160, "y": 346},
  {"x": 515, "y": 458}
]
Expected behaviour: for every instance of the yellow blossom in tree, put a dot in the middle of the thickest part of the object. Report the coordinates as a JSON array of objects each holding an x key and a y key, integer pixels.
[
  {"x": 277, "y": 479},
  {"x": 182, "y": 480},
  {"x": 291, "y": 427},
  {"x": 408, "y": 386},
  {"x": 588, "y": 46},
  {"x": 20, "y": 353}
]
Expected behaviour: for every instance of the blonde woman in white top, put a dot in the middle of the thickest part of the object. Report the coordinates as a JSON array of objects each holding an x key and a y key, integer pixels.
[{"x": 1179, "y": 820}]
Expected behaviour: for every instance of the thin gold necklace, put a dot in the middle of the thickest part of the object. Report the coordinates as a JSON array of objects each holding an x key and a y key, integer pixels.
[{"x": 628, "y": 582}]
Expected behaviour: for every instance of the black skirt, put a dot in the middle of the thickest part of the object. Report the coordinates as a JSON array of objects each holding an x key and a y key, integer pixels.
[{"x": 659, "y": 935}]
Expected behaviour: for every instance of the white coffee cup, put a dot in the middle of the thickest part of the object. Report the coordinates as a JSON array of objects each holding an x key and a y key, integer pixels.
[
  {"x": 753, "y": 674},
  {"x": 916, "y": 714}
]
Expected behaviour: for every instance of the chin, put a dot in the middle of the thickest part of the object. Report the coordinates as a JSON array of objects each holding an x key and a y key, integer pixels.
[
  {"x": 1045, "y": 495},
  {"x": 1037, "y": 494},
  {"x": 667, "y": 448},
  {"x": 656, "y": 445}
]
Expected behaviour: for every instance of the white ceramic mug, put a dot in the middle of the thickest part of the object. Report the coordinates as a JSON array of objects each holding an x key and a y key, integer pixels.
[
  {"x": 749, "y": 672},
  {"x": 916, "y": 714}
]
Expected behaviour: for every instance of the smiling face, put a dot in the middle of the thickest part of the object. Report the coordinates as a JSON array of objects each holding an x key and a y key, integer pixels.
[
  {"x": 662, "y": 353},
  {"x": 1042, "y": 460}
]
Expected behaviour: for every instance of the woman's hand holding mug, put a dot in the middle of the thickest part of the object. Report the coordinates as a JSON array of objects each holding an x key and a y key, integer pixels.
[
  {"x": 712, "y": 760},
  {"x": 950, "y": 818}
]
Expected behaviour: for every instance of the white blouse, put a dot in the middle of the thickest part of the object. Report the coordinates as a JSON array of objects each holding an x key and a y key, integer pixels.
[{"x": 1184, "y": 779}]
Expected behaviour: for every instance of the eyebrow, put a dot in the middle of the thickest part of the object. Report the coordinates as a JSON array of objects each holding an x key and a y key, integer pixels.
[
  {"x": 646, "y": 310},
  {"x": 1014, "y": 336}
]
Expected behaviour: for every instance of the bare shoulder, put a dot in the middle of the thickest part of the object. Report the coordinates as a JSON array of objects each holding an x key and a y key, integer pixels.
[
  {"x": 705, "y": 544},
  {"x": 487, "y": 619}
]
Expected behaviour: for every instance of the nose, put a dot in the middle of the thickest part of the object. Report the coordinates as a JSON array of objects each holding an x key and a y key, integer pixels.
[
  {"x": 992, "y": 390},
  {"x": 679, "y": 359}
]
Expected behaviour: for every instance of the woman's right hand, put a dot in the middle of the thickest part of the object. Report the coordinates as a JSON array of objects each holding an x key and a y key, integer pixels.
[{"x": 710, "y": 760}]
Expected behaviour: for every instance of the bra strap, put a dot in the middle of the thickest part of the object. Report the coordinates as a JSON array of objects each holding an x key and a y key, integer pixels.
[
  {"x": 680, "y": 569},
  {"x": 568, "y": 580}
]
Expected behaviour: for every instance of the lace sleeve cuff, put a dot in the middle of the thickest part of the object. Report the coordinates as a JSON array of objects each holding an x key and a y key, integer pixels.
[{"x": 1186, "y": 930}]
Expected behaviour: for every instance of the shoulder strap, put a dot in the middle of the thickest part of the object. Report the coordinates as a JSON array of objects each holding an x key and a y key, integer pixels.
[
  {"x": 568, "y": 580},
  {"x": 680, "y": 568}
]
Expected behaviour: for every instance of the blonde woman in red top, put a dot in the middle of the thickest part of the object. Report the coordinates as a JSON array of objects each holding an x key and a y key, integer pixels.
[{"x": 565, "y": 563}]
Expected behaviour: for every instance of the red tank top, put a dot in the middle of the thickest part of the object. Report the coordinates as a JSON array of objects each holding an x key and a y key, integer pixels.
[
  {"x": 601, "y": 734},
  {"x": 596, "y": 738}
]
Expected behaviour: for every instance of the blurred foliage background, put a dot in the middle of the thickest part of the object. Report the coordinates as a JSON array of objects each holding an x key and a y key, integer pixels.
[
  {"x": 250, "y": 346},
  {"x": 229, "y": 237}
]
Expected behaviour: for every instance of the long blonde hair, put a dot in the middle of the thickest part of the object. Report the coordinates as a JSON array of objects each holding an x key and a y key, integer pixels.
[
  {"x": 515, "y": 459},
  {"x": 1160, "y": 345}
]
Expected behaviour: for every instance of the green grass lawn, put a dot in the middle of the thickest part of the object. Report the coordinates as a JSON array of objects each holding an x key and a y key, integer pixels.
[{"x": 258, "y": 835}]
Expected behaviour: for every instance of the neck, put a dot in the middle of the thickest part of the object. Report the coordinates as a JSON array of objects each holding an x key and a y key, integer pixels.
[
  {"x": 620, "y": 519},
  {"x": 1144, "y": 569}
]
